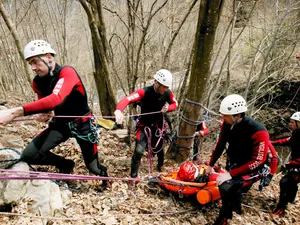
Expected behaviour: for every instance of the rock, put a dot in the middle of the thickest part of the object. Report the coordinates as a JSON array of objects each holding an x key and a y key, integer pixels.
[
  {"x": 14, "y": 190},
  {"x": 45, "y": 194},
  {"x": 7, "y": 154},
  {"x": 12, "y": 141},
  {"x": 2, "y": 107},
  {"x": 121, "y": 134}
]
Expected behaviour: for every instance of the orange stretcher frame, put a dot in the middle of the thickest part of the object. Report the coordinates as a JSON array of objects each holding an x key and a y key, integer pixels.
[{"x": 205, "y": 192}]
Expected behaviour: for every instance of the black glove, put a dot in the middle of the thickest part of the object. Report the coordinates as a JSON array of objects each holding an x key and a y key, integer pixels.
[
  {"x": 283, "y": 168},
  {"x": 202, "y": 178}
]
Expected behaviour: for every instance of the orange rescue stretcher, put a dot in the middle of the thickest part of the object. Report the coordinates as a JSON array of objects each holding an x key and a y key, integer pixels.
[{"x": 205, "y": 191}]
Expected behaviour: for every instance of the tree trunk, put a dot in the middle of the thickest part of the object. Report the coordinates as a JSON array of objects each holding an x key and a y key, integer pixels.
[
  {"x": 208, "y": 19},
  {"x": 106, "y": 95},
  {"x": 15, "y": 35}
]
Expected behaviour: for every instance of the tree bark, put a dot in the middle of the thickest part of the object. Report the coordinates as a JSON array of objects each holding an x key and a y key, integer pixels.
[
  {"x": 208, "y": 19},
  {"x": 15, "y": 35},
  {"x": 106, "y": 95}
]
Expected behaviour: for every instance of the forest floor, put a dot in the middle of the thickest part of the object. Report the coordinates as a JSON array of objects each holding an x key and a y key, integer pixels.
[{"x": 148, "y": 203}]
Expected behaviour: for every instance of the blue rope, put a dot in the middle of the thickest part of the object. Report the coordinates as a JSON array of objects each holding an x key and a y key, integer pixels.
[
  {"x": 13, "y": 161},
  {"x": 93, "y": 136}
]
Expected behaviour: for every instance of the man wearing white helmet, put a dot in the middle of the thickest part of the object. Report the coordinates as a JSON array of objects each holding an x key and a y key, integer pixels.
[
  {"x": 59, "y": 90},
  {"x": 154, "y": 100},
  {"x": 246, "y": 143},
  {"x": 289, "y": 183}
]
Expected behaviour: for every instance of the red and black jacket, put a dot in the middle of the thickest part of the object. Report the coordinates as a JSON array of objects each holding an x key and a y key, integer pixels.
[
  {"x": 63, "y": 92},
  {"x": 294, "y": 142},
  {"x": 247, "y": 145},
  {"x": 150, "y": 101}
]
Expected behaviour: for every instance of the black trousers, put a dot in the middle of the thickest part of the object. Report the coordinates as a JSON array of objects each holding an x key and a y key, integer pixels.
[
  {"x": 231, "y": 196},
  {"x": 38, "y": 151},
  {"x": 288, "y": 188}
]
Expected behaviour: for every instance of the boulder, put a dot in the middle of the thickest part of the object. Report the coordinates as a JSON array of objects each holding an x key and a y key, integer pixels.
[{"x": 46, "y": 195}]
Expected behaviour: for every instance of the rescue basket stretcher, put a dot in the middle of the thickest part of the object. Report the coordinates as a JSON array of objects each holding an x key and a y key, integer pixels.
[{"x": 205, "y": 192}]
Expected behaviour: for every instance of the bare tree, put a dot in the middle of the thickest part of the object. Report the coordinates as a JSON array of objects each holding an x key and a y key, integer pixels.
[
  {"x": 15, "y": 35},
  {"x": 167, "y": 53}
]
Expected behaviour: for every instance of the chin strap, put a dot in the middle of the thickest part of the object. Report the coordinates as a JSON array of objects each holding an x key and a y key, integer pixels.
[
  {"x": 235, "y": 121},
  {"x": 49, "y": 65}
]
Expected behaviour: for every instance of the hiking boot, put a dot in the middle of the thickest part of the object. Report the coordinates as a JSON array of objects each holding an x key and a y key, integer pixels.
[
  {"x": 68, "y": 167},
  {"x": 106, "y": 185},
  {"x": 159, "y": 168},
  {"x": 238, "y": 209},
  {"x": 132, "y": 185},
  {"x": 220, "y": 221},
  {"x": 278, "y": 211}
]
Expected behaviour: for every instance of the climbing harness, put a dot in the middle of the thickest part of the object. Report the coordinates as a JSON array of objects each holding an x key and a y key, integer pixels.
[{"x": 93, "y": 135}]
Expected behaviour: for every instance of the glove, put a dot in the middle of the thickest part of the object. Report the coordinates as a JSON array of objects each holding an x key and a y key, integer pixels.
[
  {"x": 199, "y": 133},
  {"x": 164, "y": 108},
  {"x": 283, "y": 168},
  {"x": 223, "y": 177},
  {"x": 209, "y": 170},
  {"x": 119, "y": 116}
]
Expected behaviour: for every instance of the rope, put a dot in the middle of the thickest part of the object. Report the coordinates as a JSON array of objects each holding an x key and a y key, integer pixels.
[
  {"x": 248, "y": 206},
  {"x": 158, "y": 133},
  {"x": 100, "y": 217},
  {"x": 93, "y": 135},
  {"x": 33, "y": 175},
  {"x": 263, "y": 173},
  {"x": 202, "y": 106},
  {"x": 195, "y": 122},
  {"x": 148, "y": 134},
  {"x": 13, "y": 161},
  {"x": 65, "y": 116}
]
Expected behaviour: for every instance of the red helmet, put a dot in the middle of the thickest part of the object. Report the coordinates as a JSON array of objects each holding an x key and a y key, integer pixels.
[{"x": 188, "y": 171}]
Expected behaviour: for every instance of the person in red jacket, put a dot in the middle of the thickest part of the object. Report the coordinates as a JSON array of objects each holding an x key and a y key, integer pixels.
[
  {"x": 247, "y": 144},
  {"x": 59, "y": 90},
  {"x": 155, "y": 101},
  {"x": 289, "y": 183}
]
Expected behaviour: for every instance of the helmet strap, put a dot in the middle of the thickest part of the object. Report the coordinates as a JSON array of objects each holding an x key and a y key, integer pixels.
[
  {"x": 156, "y": 88},
  {"x": 49, "y": 65},
  {"x": 235, "y": 121}
]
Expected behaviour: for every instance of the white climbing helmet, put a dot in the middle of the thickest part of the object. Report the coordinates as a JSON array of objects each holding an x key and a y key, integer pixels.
[
  {"x": 37, "y": 47},
  {"x": 233, "y": 104},
  {"x": 164, "y": 77},
  {"x": 296, "y": 116}
]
